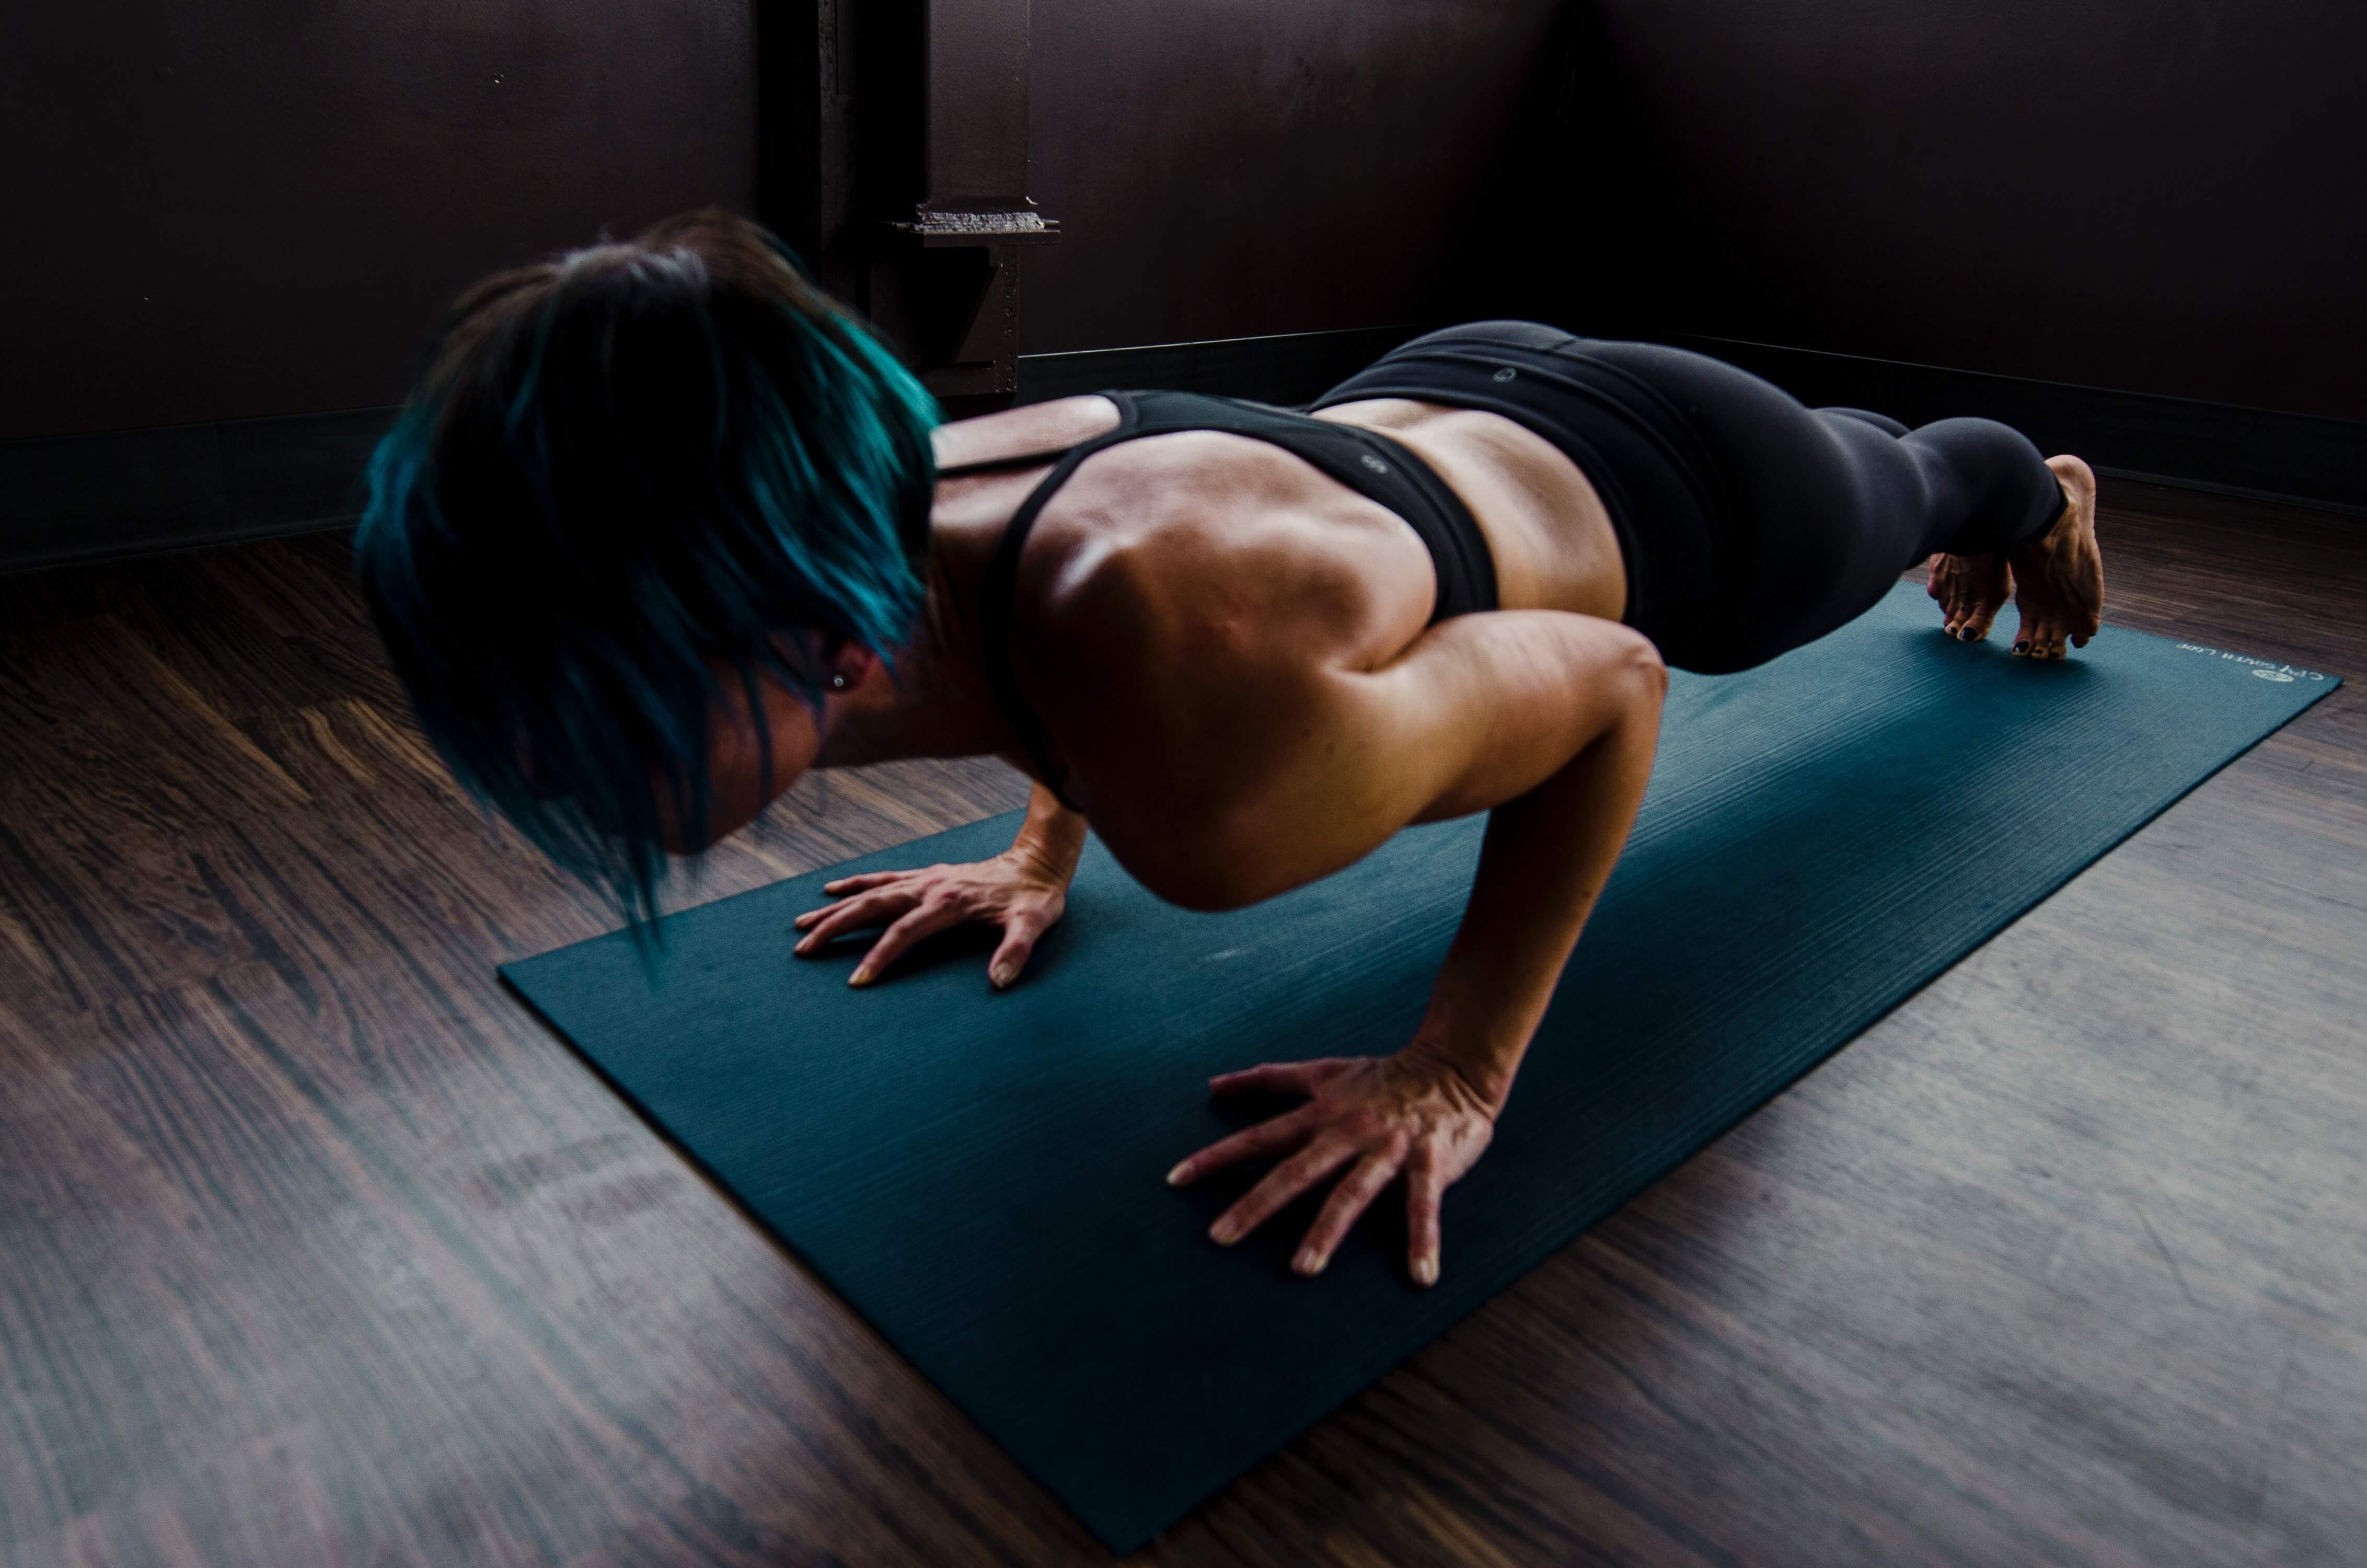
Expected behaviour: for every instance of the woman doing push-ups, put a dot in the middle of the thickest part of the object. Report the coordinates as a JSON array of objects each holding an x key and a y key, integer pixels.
[{"x": 662, "y": 528}]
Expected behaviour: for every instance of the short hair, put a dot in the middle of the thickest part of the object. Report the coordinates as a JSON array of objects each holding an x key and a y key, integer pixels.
[{"x": 626, "y": 477}]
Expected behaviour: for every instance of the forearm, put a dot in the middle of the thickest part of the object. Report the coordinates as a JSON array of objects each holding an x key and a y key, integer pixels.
[
  {"x": 1543, "y": 864},
  {"x": 1052, "y": 838}
]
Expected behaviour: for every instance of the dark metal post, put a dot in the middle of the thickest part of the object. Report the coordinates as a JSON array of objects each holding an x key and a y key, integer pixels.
[{"x": 895, "y": 162}]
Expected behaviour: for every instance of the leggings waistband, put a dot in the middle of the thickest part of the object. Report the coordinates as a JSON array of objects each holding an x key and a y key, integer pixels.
[{"x": 1662, "y": 485}]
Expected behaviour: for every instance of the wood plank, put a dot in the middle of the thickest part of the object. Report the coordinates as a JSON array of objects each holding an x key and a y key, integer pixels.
[{"x": 320, "y": 1250}]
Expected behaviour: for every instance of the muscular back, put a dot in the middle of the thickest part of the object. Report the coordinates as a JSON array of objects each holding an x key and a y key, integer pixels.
[
  {"x": 1166, "y": 607},
  {"x": 1233, "y": 654}
]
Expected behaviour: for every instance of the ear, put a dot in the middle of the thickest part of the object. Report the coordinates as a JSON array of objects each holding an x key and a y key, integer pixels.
[{"x": 847, "y": 669}]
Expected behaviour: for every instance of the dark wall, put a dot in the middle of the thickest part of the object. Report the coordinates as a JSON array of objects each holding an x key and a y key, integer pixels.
[
  {"x": 2156, "y": 195},
  {"x": 1226, "y": 169},
  {"x": 246, "y": 208},
  {"x": 253, "y": 208}
]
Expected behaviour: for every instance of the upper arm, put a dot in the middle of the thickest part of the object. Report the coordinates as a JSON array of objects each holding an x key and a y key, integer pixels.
[{"x": 1323, "y": 762}]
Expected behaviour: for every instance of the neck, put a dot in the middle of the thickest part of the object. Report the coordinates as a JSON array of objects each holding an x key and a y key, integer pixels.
[{"x": 938, "y": 702}]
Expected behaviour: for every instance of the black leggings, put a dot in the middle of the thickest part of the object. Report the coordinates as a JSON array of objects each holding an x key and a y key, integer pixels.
[{"x": 1750, "y": 524}]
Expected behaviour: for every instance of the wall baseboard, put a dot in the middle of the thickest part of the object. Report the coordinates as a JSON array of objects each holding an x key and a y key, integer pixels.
[
  {"x": 2255, "y": 453},
  {"x": 77, "y": 498},
  {"x": 2258, "y": 454},
  {"x": 69, "y": 499}
]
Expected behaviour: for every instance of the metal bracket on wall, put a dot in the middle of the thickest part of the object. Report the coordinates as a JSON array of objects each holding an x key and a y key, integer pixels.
[
  {"x": 948, "y": 287},
  {"x": 896, "y": 158}
]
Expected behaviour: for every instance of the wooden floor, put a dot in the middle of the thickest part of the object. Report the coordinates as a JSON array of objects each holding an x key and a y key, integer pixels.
[{"x": 318, "y": 1251}]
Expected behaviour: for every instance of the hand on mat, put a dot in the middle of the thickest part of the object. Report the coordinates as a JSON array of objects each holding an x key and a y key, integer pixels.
[
  {"x": 1377, "y": 1116},
  {"x": 1015, "y": 890}
]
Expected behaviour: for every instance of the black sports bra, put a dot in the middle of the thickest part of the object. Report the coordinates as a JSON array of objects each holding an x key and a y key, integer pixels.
[{"x": 1369, "y": 463}]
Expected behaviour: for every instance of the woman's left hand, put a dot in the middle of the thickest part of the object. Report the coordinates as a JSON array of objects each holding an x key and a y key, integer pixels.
[{"x": 1377, "y": 1116}]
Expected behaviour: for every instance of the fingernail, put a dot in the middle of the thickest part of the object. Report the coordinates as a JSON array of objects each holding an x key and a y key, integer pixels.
[
  {"x": 1309, "y": 1261},
  {"x": 860, "y": 977},
  {"x": 1425, "y": 1268},
  {"x": 2022, "y": 647},
  {"x": 1000, "y": 976},
  {"x": 1180, "y": 1175},
  {"x": 1221, "y": 1234},
  {"x": 1967, "y": 634}
]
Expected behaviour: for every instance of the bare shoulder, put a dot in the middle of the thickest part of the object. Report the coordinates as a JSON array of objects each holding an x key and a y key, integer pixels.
[{"x": 1038, "y": 427}]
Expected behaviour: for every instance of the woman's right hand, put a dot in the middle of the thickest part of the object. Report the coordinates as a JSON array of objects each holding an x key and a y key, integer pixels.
[{"x": 1019, "y": 889}]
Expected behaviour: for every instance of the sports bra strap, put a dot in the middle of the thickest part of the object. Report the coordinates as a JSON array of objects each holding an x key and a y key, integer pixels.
[{"x": 1002, "y": 585}]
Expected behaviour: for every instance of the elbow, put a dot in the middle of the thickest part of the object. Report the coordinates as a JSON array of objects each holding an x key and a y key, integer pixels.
[
  {"x": 725, "y": 816},
  {"x": 1206, "y": 867},
  {"x": 675, "y": 838},
  {"x": 1645, "y": 671},
  {"x": 1637, "y": 676},
  {"x": 729, "y": 808},
  {"x": 1211, "y": 887},
  {"x": 1216, "y": 895},
  {"x": 686, "y": 846}
]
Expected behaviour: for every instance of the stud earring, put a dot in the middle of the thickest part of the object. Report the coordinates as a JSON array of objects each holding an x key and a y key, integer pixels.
[{"x": 838, "y": 683}]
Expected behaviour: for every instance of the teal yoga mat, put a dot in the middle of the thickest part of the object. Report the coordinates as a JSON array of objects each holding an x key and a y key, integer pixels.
[{"x": 980, "y": 1176}]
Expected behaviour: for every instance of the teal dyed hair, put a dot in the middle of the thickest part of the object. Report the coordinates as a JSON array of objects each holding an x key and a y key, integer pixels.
[{"x": 633, "y": 483}]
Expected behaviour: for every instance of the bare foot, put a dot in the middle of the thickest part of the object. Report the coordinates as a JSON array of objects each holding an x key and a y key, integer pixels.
[
  {"x": 1971, "y": 590},
  {"x": 2058, "y": 578}
]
